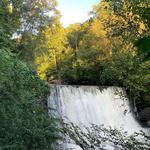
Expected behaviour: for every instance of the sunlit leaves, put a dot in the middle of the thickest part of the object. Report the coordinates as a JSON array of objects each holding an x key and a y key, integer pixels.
[{"x": 50, "y": 49}]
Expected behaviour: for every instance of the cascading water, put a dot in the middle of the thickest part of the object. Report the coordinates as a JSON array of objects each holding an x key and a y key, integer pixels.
[{"x": 86, "y": 105}]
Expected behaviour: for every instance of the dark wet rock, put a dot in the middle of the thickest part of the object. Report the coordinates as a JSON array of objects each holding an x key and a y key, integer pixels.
[{"x": 144, "y": 116}]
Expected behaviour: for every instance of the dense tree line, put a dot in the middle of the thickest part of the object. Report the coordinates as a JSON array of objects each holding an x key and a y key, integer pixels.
[{"x": 112, "y": 48}]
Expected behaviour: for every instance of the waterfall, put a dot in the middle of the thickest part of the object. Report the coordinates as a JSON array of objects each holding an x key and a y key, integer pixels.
[{"x": 86, "y": 105}]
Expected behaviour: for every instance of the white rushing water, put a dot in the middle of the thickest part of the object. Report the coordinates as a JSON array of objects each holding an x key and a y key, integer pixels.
[{"x": 86, "y": 105}]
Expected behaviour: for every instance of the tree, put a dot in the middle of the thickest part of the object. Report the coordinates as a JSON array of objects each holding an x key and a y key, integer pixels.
[
  {"x": 51, "y": 48},
  {"x": 25, "y": 122},
  {"x": 23, "y": 20},
  {"x": 122, "y": 21}
]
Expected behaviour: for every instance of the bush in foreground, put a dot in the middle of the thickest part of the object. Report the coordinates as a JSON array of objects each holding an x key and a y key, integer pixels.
[{"x": 24, "y": 120}]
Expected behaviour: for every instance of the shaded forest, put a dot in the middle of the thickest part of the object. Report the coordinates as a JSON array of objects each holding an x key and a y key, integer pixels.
[{"x": 112, "y": 48}]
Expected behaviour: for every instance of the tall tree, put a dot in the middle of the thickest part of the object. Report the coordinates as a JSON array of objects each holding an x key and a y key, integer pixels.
[
  {"x": 23, "y": 20},
  {"x": 50, "y": 51}
]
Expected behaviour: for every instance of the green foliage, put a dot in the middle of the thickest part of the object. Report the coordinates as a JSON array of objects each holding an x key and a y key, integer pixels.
[
  {"x": 50, "y": 51},
  {"x": 143, "y": 45},
  {"x": 129, "y": 71},
  {"x": 25, "y": 123},
  {"x": 22, "y": 22}
]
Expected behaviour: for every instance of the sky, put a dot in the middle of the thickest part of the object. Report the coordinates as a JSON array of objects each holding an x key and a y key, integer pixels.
[{"x": 74, "y": 11}]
